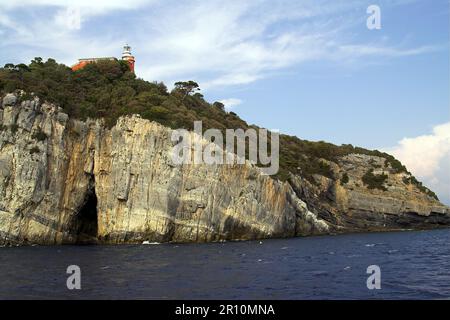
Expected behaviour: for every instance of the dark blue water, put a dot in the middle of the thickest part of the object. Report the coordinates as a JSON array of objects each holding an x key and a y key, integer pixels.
[{"x": 414, "y": 265}]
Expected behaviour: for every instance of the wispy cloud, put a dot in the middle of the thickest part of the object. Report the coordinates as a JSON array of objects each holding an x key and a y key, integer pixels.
[
  {"x": 216, "y": 43},
  {"x": 90, "y": 4},
  {"x": 428, "y": 158},
  {"x": 355, "y": 51},
  {"x": 231, "y": 103}
]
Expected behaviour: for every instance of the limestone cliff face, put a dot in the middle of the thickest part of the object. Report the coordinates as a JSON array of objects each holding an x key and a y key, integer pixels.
[
  {"x": 43, "y": 180},
  {"x": 68, "y": 181},
  {"x": 143, "y": 196},
  {"x": 352, "y": 207}
]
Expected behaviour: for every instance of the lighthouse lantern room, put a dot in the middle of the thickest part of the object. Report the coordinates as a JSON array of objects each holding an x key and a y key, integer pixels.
[{"x": 127, "y": 56}]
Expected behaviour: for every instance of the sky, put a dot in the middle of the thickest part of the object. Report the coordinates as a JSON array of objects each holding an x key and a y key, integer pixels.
[{"x": 308, "y": 68}]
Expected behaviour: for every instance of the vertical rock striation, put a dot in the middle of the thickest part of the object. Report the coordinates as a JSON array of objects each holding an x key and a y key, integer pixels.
[
  {"x": 44, "y": 172},
  {"x": 68, "y": 181},
  {"x": 53, "y": 169}
]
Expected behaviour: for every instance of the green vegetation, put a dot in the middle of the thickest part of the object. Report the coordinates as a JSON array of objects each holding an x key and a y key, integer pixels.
[
  {"x": 109, "y": 90},
  {"x": 422, "y": 188},
  {"x": 13, "y": 128},
  {"x": 39, "y": 135},
  {"x": 303, "y": 157},
  {"x": 187, "y": 87},
  {"x": 34, "y": 150},
  {"x": 373, "y": 181},
  {"x": 345, "y": 179}
]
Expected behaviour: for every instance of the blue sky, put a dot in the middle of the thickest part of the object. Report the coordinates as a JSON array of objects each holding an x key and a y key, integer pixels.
[{"x": 309, "y": 68}]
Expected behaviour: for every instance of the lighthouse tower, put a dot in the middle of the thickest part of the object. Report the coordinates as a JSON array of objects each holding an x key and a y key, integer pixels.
[{"x": 127, "y": 56}]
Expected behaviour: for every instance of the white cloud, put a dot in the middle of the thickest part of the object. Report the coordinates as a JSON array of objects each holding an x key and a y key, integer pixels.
[
  {"x": 91, "y": 4},
  {"x": 214, "y": 42},
  {"x": 69, "y": 18},
  {"x": 428, "y": 158},
  {"x": 231, "y": 103},
  {"x": 54, "y": 25},
  {"x": 376, "y": 50},
  {"x": 9, "y": 23},
  {"x": 241, "y": 42}
]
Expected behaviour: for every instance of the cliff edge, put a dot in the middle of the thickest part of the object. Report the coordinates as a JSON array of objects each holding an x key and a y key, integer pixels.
[{"x": 64, "y": 180}]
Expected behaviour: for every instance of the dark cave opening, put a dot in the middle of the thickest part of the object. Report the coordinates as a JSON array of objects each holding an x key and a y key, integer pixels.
[{"x": 85, "y": 224}]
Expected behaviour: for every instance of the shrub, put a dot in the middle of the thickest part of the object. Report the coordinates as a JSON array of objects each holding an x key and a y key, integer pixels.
[
  {"x": 39, "y": 135},
  {"x": 373, "y": 181},
  {"x": 158, "y": 113},
  {"x": 219, "y": 105},
  {"x": 34, "y": 150},
  {"x": 423, "y": 189},
  {"x": 109, "y": 90},
  {"x": 345, "y": 179},
  {"x": 13, "y": 128},
  {"x": 323, "y": 169}
]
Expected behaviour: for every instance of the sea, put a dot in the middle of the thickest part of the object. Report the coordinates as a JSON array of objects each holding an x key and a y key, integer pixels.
[{"x": 411, "y": 265}]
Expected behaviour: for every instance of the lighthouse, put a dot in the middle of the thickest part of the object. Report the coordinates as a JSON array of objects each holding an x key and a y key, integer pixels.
[{"x": 127, "y": 56}]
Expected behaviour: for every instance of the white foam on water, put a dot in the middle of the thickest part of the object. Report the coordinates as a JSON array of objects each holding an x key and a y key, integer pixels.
[{"x": 150, "y": 243}]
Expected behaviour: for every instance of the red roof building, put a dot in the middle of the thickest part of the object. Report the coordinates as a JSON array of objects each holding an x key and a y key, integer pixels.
[{"x": 126, "y": 56}]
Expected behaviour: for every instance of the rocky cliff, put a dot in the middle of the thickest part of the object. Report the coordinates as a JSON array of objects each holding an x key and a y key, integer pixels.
[{"x": 69, "y": 181}]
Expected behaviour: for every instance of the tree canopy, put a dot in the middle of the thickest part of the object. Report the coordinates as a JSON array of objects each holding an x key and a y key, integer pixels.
[{"x": 107, "y": 89}]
